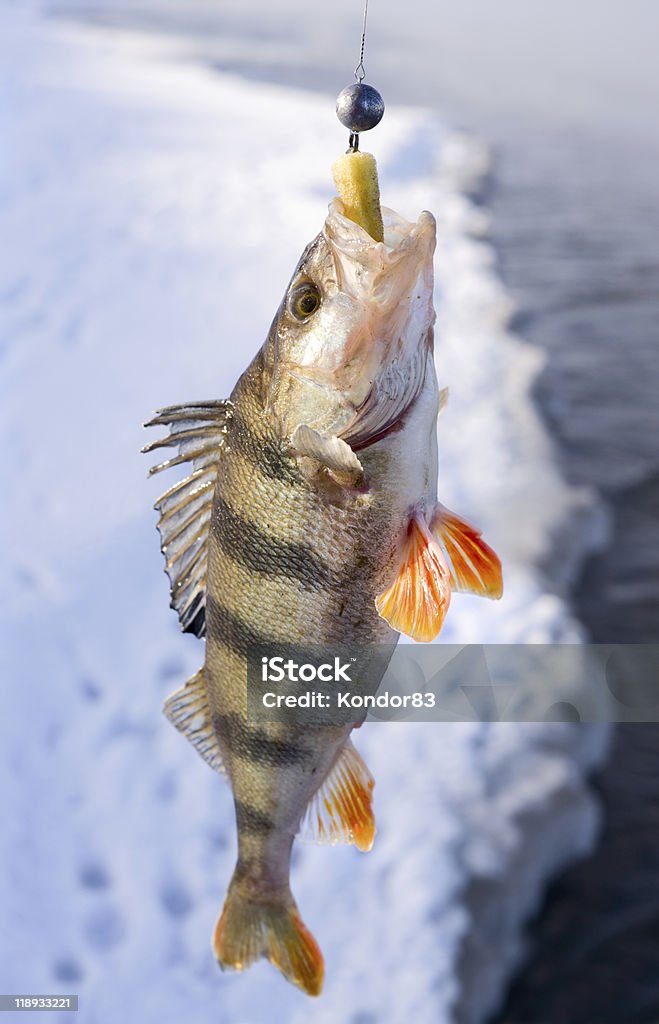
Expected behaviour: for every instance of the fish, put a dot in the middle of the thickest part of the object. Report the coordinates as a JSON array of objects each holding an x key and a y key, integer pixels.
[{"x": 310, "y": 515}]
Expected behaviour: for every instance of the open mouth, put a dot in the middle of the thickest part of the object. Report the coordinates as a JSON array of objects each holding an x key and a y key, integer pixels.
[
  {"x": 393, "y": 280},
  {"x": 380, "y": 271}
]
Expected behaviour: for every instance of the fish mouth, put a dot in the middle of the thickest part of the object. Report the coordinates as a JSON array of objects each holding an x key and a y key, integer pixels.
[
  {"x": 381, "y": 272},
  {"x": 386, "y": 358}
]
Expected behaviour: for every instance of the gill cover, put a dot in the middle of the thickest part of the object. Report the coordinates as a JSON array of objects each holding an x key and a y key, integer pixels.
[{"x": 356, "y": 363}]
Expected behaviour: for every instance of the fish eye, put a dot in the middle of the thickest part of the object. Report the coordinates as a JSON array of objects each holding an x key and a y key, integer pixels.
[{"x": 303, "y": 300}]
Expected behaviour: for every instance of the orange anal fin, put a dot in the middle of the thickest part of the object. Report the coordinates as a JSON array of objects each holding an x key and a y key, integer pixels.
[
  {"x": 475, "y": 568},
  {"x": 250, "y": 928},
  {"x": 417, "y": 601},
  {"x": 341, "y": 810}
]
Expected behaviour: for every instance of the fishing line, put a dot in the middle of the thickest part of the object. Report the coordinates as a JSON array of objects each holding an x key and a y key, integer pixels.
[{"x": 360, "y": 73}]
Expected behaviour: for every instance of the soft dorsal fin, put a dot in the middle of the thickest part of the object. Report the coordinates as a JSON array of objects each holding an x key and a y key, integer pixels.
[
  {"x": 187, "y": 709},
  {"x": 341, "y": 812},
  {"x": 475, "y": 568},
  {"x": 417, "y": 601},
  {"x": 198, "y": 431}
]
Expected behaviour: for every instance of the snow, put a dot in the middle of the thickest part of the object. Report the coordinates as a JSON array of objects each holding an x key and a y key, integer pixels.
[{"x": 151, "y": 213}]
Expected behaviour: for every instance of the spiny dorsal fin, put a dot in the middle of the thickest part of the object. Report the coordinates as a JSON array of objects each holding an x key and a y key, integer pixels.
[
  {"x": 198, "y": 431},
  {"x": 475, "y": 568},
  {"x": 417, "y": 601},
  {"x": 341, "y": 812},
  {"x": 187, "y": 709},
  {"x": 331, "y": 452}
]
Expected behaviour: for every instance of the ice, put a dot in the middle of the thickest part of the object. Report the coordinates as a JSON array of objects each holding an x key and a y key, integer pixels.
[{"x": 151, "y": 212}]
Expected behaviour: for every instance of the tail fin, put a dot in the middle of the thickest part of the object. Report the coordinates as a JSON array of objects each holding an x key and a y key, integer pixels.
[{"x": 249, "y": 929}]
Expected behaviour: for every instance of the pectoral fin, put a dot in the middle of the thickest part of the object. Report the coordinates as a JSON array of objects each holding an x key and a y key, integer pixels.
[
  {"x": 417, "y": 601},
  {"x": 474, "y": 566},
  {"x": 333, "y": 453}
]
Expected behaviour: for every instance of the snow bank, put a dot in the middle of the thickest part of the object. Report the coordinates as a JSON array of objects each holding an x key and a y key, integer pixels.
[{"x": 151, "y": 213}]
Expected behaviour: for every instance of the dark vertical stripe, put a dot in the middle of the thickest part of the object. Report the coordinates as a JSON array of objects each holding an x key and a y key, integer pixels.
[
  {"x": 248, "y": 544},
  {"x": 252, "y": 821},
  {"x": 233, "y": 632},
  {"x": 268, "y": 453},
  {"x": 252, "y": 743}
]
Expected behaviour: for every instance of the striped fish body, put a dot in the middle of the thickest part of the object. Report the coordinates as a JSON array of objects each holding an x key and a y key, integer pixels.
[
  {"x": 289, "y": 565},
  {"x": 311, "y": 518}
]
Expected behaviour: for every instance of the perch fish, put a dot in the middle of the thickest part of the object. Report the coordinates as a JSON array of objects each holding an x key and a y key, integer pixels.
[{"x": 310, "y": 516}]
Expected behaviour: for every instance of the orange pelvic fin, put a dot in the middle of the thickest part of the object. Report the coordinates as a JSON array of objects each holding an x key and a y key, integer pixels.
[
  {"x": 341, "y": 810},
  {"x": 417, "y": 601},
  {"x": 250, "y": 928},
  {"x": 474, "y": 566}
]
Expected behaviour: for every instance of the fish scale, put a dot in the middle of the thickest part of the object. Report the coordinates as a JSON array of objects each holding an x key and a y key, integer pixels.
[
  {"x": 310, "y": 517},
  {"x": 287, "y": 582}
]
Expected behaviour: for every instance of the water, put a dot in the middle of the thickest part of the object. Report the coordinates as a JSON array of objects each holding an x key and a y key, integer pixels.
[{"x": 576, "y": 222}]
